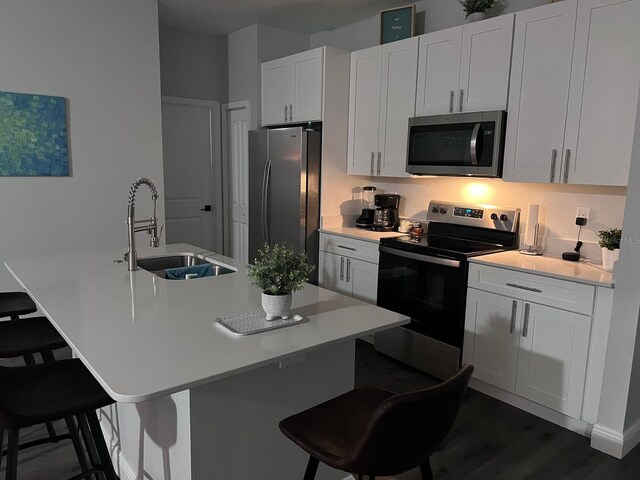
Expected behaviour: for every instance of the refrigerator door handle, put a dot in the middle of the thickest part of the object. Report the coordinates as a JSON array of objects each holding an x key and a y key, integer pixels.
[{"x": 265, "y": 198}]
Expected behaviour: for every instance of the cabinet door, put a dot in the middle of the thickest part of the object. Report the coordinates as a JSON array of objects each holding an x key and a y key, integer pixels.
[
  {"x": 364, "y": 111},
  {"x": 363, "y": 280},
  {"x": 492, "y": 323},
  {"x": 397, "y": 102},
  {"x": 539, "y": 91},
  {"x": 485, "y": 63},
  {"x": 438, "y": 72},
  {"x": 277, "y": 85},
  {"x": 307, "y": 85},
  {"x": 333, "y": 273},
  {"x": 605, "y": 77},
  {"x": 554, "y": 345}
]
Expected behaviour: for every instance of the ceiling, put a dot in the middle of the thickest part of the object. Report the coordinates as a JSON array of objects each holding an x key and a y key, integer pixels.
[{"x": 221, "y": 17}]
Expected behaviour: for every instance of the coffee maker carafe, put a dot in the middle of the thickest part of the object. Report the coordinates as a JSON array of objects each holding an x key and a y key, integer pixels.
[
  {"x": 385, "y": 218},
  {"x": 365, "y": 220}
]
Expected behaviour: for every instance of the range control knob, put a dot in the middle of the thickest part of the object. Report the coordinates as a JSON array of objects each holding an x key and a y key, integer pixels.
[
  {"x": 443, "y": 210},
  {"x": 434, "y": 209},
  {"x": 494, "y": 216},
  {"x": 504, "y": 217}
]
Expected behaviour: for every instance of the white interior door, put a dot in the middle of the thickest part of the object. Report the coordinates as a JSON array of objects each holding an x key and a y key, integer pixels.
[
  {"x": 235, "y": 151},
  {"x": 192, "y": 172}
]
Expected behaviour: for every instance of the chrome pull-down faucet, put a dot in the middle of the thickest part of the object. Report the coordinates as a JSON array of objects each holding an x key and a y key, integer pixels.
[{"x": 149, "y": 225}]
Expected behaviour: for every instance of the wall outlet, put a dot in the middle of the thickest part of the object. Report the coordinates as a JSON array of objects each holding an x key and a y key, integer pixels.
[{"x": 583, "y": 212}]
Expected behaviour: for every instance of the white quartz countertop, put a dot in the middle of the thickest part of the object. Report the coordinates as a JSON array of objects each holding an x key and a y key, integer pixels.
[
  {"x": 359, "y": 233},
  {"x": 549, "y": 266},
  {"x": 144, "y": 337}
]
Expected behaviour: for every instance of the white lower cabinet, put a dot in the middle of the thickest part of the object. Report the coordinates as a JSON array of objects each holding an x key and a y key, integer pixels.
[
  {"x": 535, "y": 351},
  {"x": 347, "y": 272}
]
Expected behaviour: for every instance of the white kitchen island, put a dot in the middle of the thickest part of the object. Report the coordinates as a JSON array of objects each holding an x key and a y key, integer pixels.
[{"x": 194, "y": 400}]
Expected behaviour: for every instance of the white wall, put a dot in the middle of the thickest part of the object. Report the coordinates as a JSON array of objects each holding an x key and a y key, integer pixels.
[
  {"x": 193, "y": 65},
  {"x": 102, "y": 57},
  {"x": 432, "y": 15}
]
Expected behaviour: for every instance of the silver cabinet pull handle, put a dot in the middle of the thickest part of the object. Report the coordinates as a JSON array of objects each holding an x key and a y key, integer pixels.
[
  {"x": 514, "y": 310},
  {"x": 348, "y": 248},
  {"x": 567, "y": 158},
  {"x": 525, "y": 328},
  {"x": 290, "y": 113},
  {"x": 341, "y": 268},
  {"x": 372, "y": 160},
  {"x": 522, "y": 287},
  {"x": 451, "y": 98},
  {"x": 285, "y": 113},
  {"x": 379, "y": 162},
  {"x": 554, "y": 158},
  {"x": 348, "y": 270},
  {"x": 461, "y": 98}
]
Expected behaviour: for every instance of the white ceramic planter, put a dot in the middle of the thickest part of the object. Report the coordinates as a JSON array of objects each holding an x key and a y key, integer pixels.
[
  {"x": 609, "y": 257},
  {"x": 276, "y": 306},
  {"x": 476, "y": 17}
]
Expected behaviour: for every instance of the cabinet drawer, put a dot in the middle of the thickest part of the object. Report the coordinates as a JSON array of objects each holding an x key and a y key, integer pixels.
[
  {"x": 349, "y": 247},
  {"x": 575, "y": 297}
]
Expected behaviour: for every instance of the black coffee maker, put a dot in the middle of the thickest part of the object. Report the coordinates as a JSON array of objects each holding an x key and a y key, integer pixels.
[{"x": 385, "y": 217}]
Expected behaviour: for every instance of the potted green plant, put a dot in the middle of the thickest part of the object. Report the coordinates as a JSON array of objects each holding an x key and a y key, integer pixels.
[
  {"x": 278, "y": 272},
  {"x": 476, "y": 9},
  {"x": 610, "y": 243}
]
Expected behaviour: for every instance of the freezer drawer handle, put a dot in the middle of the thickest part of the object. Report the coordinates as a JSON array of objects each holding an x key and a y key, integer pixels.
[
  {"x": 421, "y": 258},
  {"x": 522, "y": 287}
]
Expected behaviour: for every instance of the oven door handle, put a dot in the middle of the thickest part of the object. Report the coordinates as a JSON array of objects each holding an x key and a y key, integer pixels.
[{"x": 420, "y": 258}]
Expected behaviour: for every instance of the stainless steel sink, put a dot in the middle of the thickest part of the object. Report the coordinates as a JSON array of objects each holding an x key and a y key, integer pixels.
[{"x": 157, "y": 265}]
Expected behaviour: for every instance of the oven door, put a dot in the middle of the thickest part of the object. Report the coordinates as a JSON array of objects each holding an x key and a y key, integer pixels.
[{"x": 429, "y": 289}]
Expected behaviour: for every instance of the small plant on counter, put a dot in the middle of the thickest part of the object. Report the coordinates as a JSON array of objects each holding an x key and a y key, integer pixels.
[
  {"x": 278, "y": 270},
  {"x": 610, "y": 239},
  {"x": 476, "y": 6}
]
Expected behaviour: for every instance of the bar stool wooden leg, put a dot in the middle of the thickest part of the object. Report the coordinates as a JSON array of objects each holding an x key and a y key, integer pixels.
[
  {"x": 1, "y": 446},
  {"x": 425, "y": 470},
  {"x": 82, "y": 459},
  {"x": 101, "y": 446},
  {"x": 88, "y": 440},
  {"x": 12, "y": 454},
  {"x": 312, "y": 468}
]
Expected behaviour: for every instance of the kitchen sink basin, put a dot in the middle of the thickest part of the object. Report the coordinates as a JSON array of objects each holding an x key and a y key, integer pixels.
[{"x": 157, "y": 265}]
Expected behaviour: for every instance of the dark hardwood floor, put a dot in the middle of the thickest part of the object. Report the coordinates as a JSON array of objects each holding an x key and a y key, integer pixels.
[{"x": 490, "y": 440}]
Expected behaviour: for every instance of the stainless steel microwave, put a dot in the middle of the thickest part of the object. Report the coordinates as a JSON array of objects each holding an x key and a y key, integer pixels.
[{"x": 462, "y": 144}]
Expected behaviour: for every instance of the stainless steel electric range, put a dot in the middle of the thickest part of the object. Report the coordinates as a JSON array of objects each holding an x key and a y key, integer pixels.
[{"x": 426, "y": 279}]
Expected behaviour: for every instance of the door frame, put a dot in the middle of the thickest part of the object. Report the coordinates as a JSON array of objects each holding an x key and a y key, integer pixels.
[
  {"x": 215, "y": 140},
  {"x": 226, "y": 168}
]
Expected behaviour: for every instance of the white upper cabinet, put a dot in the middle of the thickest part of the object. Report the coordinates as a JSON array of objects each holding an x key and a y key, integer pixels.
[
  {"x": 540, "y": 75},
  {"x": 438, "y": 71},
  {"x": 574, "y": 93},
  {"x": 381, "y": 101},
  {"x": 605, "y": 77},
  {"x": 465, "y": 69},
  {"x": 292, "y": 88}
]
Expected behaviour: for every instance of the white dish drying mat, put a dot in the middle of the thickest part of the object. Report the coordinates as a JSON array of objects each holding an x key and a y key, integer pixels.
[{"x": 248, "y": 323}]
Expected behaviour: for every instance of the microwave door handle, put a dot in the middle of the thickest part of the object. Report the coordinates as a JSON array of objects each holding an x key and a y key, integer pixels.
[
  {"x": 474, "y": 144},
  {"x": 421, "y": 258}
]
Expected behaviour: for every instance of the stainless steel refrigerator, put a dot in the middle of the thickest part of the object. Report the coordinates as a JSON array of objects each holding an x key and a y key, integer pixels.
[{"x": 284, "y": 191}]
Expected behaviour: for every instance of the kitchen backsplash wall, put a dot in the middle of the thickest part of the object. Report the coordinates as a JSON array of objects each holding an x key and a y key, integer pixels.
[{"x": 558, "y": 204}]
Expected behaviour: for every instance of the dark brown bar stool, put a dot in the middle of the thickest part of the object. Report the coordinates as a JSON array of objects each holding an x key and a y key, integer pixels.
[
  {"x": 47, "y": 392},
  {"x": 371, "y": 431},
  {"x": 14, "y": 304}
]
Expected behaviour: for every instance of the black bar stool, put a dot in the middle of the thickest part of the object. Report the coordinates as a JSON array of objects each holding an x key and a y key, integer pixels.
[
  {"x": 14, "y": 304},
  {"x": 47, "y": 392},
  {"x": 371, "y": 431}
]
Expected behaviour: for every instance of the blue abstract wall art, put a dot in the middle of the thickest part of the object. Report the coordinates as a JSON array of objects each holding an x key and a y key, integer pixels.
[{"x": 33, "y": 135}]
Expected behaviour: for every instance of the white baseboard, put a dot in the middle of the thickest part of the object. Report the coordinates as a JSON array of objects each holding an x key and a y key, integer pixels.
[
  {"x": 570, "y": 423},
  {"x": 617, "y": 444}
]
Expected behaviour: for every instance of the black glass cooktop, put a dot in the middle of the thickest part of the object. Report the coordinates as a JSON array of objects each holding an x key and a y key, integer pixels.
[{"x": 434, "y": 244}]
